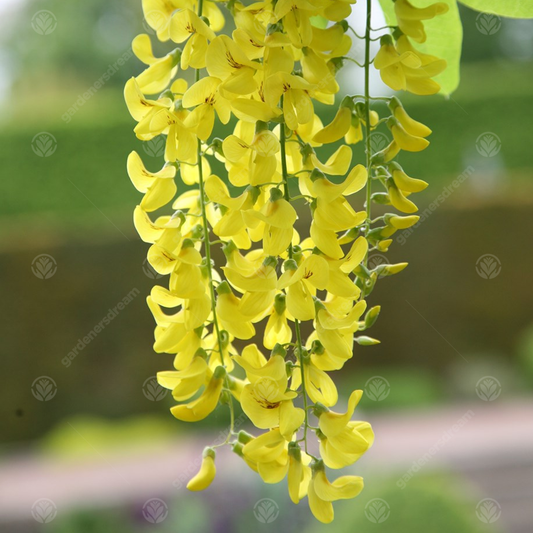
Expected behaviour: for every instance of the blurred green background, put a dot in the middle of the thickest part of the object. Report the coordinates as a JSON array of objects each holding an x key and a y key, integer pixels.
[{"x": 443, "y": 326}]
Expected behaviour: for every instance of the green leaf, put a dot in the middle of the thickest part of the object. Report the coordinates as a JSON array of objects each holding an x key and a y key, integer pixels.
[
  {"x": 445, "y": 39},
  {"x": 520, "y": 9}
]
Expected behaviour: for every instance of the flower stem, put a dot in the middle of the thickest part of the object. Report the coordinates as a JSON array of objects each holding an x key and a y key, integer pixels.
[
  {"x": 367, "y": 119},
  {"x": 207, "y": 245},
  {"x": 285, "y": 176}
]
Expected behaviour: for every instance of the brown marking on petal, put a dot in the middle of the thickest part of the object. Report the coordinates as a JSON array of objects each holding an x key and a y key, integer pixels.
[
  {"x": 231, "y": 61},
  {"x": 308, "y": 274}
]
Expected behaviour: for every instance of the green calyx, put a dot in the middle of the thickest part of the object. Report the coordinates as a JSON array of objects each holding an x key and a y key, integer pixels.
[
  {"x": 223, "y": 288},
  {"x": 278, "y": 350},
  {"x": 276, "y": 194},
  {"x": 280, "y": 303}
]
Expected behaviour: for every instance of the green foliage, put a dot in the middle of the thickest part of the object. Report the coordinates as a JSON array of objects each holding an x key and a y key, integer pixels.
[
  {"x": 445, "y": 38},
  {"x": 504, "y": 8},
  {"x": 432, "y": 504},
  {"x": 89, "y": 36},
  {"x": 89, "y": 436}
]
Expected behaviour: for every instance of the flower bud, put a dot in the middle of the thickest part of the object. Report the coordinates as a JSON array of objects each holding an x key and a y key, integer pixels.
[{"x": 207, "y": 472}]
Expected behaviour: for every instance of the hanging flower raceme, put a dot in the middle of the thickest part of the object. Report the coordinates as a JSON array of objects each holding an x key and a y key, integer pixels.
[{"x": 241, "y": 278}]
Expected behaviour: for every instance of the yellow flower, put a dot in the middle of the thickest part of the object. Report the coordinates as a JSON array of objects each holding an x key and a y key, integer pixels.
[
  {"x": 404, "y": 182},
  {"x": 418, "y": 80},
  {"x": 331, "y": 423},
  {"x": 253, "y": 163},
  {"x": 404, "y": 140},
  {"x": 205, "y": 404},
  {"x": 318, "y": 385},
  {"x": 268, "y": 455},
  {"x": 139, "y": 107},
  {"x": 226, "y": 61},
  {"x": 298, "y": 474},
  {"x": 348, "y": 446},
  {"x": 266, "y": 400},
  {"x": 228, "y": 309},
  {"x": 277, "y": 331},
  {"x": 158, "y": 13},
  {"x": 296, "y": 15},
  {"x": 410, "y": 125},
  {"x": 317, "y": 72},
  {"x": 207, "y": 472},
  {"x": 301, "y": 283},
  {"x": 187, "y": 26},
  {"x": 205, "y": 98},
  {"x": 185, "y": 383},
  {"x": 160, "y": 71},
  {"x": 410, "y": 17},
  {"x": 398, "y": 199},
  {"x": 403, "y": 68},
  {"x": 297, "y": 104},
  {"x": 278, "y": 217},
  {"x": 158, "y": 188},
  {"x": 322, "y": 492},
  {"x": 337, "y": 128}
]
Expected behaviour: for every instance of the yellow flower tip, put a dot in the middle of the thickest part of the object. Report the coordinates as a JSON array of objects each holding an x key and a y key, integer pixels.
[
  {"x": 337, "y": 129},
  {"x": 412, "y": 126},
  {"x": 205, "y": 404},
  {"x": 206, "y": 474},
  {"x": 406, "y": 141}
]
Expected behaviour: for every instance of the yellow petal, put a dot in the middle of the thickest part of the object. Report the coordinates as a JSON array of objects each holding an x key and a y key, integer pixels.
[
  {"x": 332, "y": 423},
  {"x": 203, "y": 406},
  {"x": 337, "y": 129},
  {"x": 343, "y": 488},
  {"x": 290, "y": 419},
  {"x": 205, "y": 476},
  {"x": 356, "y": 254},
  {"x": 322, "y": 510}
]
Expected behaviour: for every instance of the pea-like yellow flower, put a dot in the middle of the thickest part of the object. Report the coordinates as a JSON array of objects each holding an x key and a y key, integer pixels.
[
  {"x": 322, "y": 492},
  {"x": 410, "y": 17},
  {"x": 299, "y": 293},
  {"x": 207, "y": 472},
  {"x": 205, "y": 404}
]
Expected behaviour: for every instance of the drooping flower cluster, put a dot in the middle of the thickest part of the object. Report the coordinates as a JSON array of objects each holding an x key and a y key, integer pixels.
[{"x": 237, "y": 330}]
